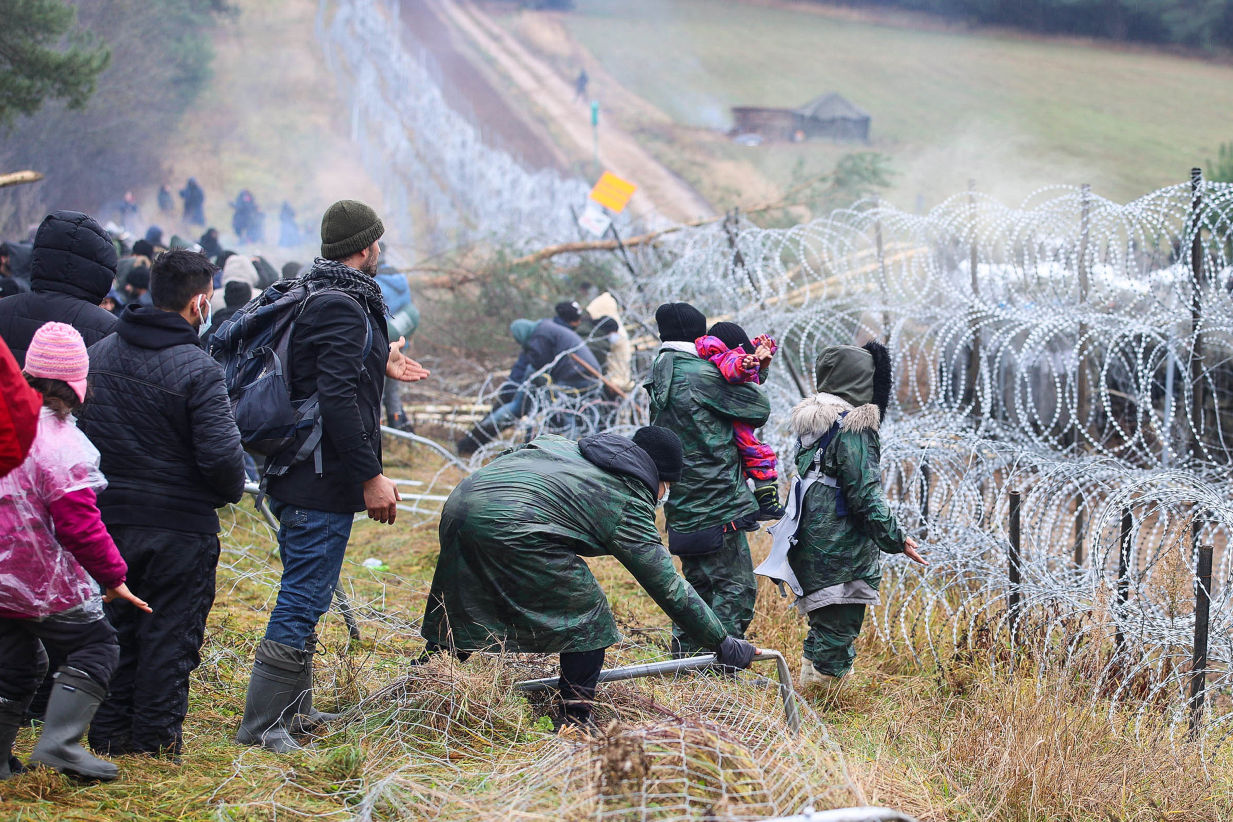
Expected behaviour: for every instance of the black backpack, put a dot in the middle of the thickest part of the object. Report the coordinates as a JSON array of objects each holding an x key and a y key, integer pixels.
[{"x": 252, "y": 346}]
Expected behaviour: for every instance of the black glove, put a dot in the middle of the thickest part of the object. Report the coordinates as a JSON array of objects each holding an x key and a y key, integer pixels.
[{"x": 735, "y": 653}]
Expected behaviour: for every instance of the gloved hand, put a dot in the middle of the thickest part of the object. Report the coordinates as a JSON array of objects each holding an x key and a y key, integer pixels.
[{"x": 735, "y": 653}]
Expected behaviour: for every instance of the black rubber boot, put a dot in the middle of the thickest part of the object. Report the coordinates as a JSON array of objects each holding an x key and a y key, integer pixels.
[
  {"x": 766, "y": 492},
  {"x": 307, "y": 719},
  {"x": 274, "y": 693},
  {"x": 483, "y": 433},
  {"x": 74, "y": 699},
  {"x": 12, "y": 711}
]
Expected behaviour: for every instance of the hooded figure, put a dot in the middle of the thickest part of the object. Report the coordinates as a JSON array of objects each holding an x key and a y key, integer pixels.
[
  {"x": 238, "y": 268},
  {"x": 618, "y": 366},
  {"x": 544, "y": 343},
  {"x": 838, "y": 521},
  {"x": 72, "y": 268},
  {"x": 511, "y": 573}
]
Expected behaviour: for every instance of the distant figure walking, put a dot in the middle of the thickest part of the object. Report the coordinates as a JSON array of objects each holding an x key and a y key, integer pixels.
[
  {"x": 288, "y": 231},
  {"x": 580, "y": 85},
  {"x": 194, "y": 202},
  {"x": 166, "y": 203},
  {"x": 247, "y": 220}
]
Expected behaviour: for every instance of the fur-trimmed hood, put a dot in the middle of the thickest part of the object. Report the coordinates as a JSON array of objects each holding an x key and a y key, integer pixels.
[{"x": 813, "y": 416}]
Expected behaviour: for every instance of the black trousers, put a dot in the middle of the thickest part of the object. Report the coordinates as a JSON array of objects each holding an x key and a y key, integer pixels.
[
  {"x": 579, "y": 676},
  {"x": 89, "y": 647},
  {"x": 174, "y": 572}
]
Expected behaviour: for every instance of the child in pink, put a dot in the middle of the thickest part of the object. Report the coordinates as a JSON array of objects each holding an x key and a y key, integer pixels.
[
  {"x": 53, "y": 549},
  {"x": 741, "y": 360}
]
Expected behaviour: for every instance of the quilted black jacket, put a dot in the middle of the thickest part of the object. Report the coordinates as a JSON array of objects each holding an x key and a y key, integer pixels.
[
  {"x": 158, "y": 413},
  {"x": 71, "y": 270}
]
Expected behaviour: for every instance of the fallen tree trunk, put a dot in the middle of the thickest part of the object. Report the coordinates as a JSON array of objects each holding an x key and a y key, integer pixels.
[{"x": 16, "y": 178}]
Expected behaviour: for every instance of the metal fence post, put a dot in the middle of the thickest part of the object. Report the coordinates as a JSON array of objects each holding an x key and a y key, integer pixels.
[
  {"x": 1012, "y": 596},
  {"x": 1123, "y": 571},
  {"x": 1198, "y": 663}
]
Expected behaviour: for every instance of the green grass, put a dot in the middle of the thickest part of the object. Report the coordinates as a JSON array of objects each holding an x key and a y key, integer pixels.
[{"x": 1015, "y": 114}]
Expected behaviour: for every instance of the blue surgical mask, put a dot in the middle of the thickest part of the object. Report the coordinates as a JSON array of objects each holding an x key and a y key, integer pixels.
[{"x": 208, "y": 320}]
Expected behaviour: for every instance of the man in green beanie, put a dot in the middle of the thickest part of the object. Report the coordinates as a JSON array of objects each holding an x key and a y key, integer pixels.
[
  {"x": 828, "y": 547},
  {"x": 339, "y": 353}
]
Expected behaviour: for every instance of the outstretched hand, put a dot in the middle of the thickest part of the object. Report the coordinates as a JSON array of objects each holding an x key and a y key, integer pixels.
[
  {"x": 121, "y": 591},
  {"x": 401, "y": 367},
  {"x": 909, "y": 550}
]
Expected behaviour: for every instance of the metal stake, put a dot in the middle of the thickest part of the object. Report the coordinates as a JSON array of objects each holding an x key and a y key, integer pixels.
[{"x": 1198, "y": 664}]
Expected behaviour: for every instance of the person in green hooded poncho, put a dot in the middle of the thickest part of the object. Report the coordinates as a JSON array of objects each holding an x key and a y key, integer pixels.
[
  {"x": 511, "y": 576},
  {"x": 838, "y": 513}
]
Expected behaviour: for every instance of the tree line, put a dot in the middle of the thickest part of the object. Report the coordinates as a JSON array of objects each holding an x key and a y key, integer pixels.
[
  {"x": 91, "y": 93},
  {"x": 1202, "y": 24}
]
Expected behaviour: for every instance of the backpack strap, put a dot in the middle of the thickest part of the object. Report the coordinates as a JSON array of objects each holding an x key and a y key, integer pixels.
[
  {"x": 310, "y": 409},
  {"x": 841, "y": 504}
]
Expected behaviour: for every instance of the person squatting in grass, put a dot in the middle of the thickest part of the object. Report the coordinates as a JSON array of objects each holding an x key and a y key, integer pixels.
[
  {"x": 741, "y": 360},
  {"x": 340, "y": 352},
  {"x": 53, "y": 547},
  {"x": 844, "y": 519},
  {"x": 711, "y": 505},
  {"x": 513, "y": 534}
]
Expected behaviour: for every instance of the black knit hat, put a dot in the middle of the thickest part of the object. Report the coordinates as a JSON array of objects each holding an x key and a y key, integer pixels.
[
  {"x": 139, "y": 277},
  {"x": 664, "y": 448},
  {"x": 733, "y": 336},
  {"x": 569, "y": 311},
  {"x": 237, "y": 293},
  {"x": 680, "y": 322},
  {"x": 348, "y": 227}
]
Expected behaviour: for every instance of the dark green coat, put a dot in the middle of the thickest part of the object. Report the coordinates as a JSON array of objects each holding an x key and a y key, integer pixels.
[
  {"x": 831, "y": 549},
  {"x": 513, "y": 535},
  {"x": 691, "y": 397}
]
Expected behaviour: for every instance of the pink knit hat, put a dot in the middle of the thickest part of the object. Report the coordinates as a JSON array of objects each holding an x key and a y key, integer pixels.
[{"x": 58, "y": 352}]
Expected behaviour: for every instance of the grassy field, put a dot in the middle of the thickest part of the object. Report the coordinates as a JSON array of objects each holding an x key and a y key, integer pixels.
[
  {"x": 943, "y": 742},
  {"x": 947, "y": 106}
]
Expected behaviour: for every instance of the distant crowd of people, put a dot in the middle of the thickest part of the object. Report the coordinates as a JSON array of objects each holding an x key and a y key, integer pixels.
[{"x": 247, "y": 217}]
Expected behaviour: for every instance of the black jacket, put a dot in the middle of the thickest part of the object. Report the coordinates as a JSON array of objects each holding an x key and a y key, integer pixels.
[
  {"x": 158, "y": 413},
  {"x": 325, "y": 355},
  {"x": 72, "y": 267}
]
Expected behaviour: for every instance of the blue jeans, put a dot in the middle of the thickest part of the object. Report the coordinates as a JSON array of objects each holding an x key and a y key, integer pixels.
[
  {"x": 312, "y": 544},
  {"x": 512, "y": 410}
]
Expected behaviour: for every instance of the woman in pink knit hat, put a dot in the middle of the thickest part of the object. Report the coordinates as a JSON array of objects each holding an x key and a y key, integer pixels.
[{"x": 54, "y": 555}]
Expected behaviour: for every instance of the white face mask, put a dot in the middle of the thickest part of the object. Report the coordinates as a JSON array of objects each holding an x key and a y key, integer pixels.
[
  {"x": 660, "y": 502},
  {"x": 206, "y": 312}
]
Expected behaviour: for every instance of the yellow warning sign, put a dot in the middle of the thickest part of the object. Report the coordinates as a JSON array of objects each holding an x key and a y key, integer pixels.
[{"x": 612, "y": 192}]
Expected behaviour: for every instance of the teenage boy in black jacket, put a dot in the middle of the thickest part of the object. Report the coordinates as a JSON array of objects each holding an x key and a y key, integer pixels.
[{"x": 160, "y": 417}]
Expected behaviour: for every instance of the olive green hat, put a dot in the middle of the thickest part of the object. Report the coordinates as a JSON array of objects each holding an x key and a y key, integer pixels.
[
  {"x": 847, "y": 372},
  {"x": 348, "y": 227},
  {"x": 521, "y": 330}
]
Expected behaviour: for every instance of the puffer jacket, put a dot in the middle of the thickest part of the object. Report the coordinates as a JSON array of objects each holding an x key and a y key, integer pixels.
[
  {"x": 833, "y": 547},
  {"x": 690, "y": 396},
  {"x": 72, "y": 268},
  {"x": 160, "y": 416}
]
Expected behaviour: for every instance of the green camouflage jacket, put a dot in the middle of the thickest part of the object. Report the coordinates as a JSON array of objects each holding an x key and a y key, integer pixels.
[
  {"x": 513, "y": 535},
  {"x": 691, "y": 397},
  {"x": 831, "y": 549}
]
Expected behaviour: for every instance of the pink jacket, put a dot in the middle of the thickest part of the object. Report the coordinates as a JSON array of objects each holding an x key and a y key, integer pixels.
[{"x": 52, "y": 539}]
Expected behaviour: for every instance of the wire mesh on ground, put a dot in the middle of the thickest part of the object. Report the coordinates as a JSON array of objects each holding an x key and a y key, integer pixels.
[{"x": 450, "y": 740}]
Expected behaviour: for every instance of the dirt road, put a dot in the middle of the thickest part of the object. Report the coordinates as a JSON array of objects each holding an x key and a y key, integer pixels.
[{"x": 661, "y": 194}]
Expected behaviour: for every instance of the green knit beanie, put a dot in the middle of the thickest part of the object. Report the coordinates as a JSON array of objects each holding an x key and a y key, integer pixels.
[
  {"x": 847, "y": 372},
  {"x": 348, "y": 227}
]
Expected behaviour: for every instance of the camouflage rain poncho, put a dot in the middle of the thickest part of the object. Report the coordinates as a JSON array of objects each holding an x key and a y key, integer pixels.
[{"x": 513, "y": 535}]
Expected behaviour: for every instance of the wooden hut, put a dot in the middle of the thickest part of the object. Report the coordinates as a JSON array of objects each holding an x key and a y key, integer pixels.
[{"x": 829, "y": 117}]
